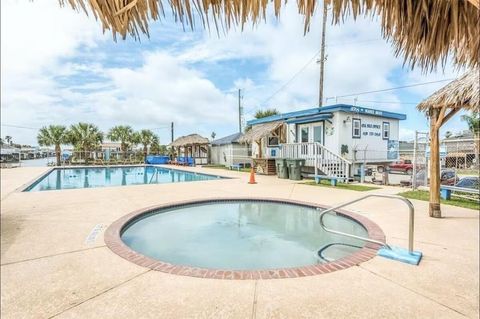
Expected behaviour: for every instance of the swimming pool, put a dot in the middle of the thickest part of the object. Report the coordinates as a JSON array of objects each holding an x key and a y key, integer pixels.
[
  {"x": 236, "y": 236},
  {"x": 90, "y": 177}
]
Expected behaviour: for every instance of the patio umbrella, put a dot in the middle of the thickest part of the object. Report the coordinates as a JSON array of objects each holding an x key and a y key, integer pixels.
[
  {"x": 462, "y": 93},
  {"x": 423, "y": 31}
]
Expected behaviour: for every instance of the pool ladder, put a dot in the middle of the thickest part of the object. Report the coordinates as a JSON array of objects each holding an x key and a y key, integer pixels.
[{"x": 332, "y": 209}]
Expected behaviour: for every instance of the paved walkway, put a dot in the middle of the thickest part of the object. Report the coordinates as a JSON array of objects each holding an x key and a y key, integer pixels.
[{"x": 49, "y": 271}]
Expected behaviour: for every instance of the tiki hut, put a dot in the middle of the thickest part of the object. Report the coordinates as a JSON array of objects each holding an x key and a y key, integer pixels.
[
  {"x": 424, "y": 31},
  {"x": 460, "y": 94},
  {"x": 265, "y": 139},
  {"x": 192, "y": 145}
]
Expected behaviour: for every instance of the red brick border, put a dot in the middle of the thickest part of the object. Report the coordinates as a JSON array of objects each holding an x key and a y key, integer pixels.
[{"x": 115, "y": 243}]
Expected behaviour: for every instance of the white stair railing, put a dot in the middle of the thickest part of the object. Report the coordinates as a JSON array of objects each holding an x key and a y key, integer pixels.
[{"x": 319, "y": 157}]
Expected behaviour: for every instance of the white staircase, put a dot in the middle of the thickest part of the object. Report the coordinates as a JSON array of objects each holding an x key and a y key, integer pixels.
[{"x": 318, "y": 156}]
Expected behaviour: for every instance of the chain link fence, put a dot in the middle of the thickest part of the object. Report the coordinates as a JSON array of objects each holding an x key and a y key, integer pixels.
[
  {"x": 462, "y": 155},
  {"x": 459, "y": 160},
  {"x": 99, "y": 158},
  {"x": 420, "y": 160}
]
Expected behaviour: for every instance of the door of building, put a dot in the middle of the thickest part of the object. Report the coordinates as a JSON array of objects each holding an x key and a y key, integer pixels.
[{"x": 310, "y": 133}]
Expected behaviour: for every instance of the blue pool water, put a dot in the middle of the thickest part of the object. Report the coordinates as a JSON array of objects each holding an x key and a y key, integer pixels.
[
  {"x": 71, "y": 178},
  {"x": 241, "y": 235}
]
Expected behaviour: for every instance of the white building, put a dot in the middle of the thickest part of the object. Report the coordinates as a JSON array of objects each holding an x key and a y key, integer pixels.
[
  {"x": 334, "y": 140},
  {"x": 228, "y": 151}
]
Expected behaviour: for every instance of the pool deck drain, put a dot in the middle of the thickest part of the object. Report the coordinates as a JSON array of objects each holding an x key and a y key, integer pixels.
[{"x": 92, "y": 237}]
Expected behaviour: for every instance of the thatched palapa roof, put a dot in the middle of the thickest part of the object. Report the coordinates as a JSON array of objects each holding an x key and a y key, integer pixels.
[
  {"x": 423, "y": 31},
  {"x": 257, "y": 132},
  {"x": 192, "y": 139},
  {"x": 463, "y": 92}
]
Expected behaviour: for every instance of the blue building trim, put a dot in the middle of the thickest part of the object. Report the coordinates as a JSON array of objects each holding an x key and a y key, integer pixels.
[
  {"x": 328, "y": 109},
  {"x": 310, "y": 119}
]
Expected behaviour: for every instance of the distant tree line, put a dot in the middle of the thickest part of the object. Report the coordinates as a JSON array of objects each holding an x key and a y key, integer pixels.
[{"x": 86, "y": 137}]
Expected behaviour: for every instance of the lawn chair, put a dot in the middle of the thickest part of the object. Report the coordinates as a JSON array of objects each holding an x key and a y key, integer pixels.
[{"x": 181, "y": 160}]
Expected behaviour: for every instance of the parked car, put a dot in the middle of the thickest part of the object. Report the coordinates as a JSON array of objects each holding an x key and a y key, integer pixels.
[
  {"x": 447, "y": 177},
  {"x": 469, "y": 182},
  {"x": 404, "y": 166}
]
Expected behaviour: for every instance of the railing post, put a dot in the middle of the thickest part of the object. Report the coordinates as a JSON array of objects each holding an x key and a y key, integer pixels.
[{"x": 411, "y": 222}]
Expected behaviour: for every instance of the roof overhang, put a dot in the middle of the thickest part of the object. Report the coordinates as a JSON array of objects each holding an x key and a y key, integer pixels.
[
  {"x": 360, "y": 110},
  {"x": 257, "y": 132},
  {"x": 310, "y": 119}
]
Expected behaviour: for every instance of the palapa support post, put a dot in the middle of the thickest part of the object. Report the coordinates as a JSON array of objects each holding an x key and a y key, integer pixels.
[
  {"x": 438, "y": 117},
  {"x": 252, "y": 175},
  {"x": 434, "y": 208}
]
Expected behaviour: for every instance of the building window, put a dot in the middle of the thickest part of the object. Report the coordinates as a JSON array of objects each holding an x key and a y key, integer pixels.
[
  {"x": 273, "y": 141},
  {"x": 386, "y": 130},
  {"x": 356, "y": 128}
]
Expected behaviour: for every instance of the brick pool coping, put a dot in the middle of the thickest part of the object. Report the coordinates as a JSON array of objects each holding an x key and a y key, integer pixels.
[{"x": 113, "y": 241}]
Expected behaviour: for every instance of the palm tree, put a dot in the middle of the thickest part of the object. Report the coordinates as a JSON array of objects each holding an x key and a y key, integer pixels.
[
  {"x": 8, "y": 139},
  {"x": 53, "y": 135},
  {"x": 123, "y": 134},
  {"x": 264, "y": 113},
  {"x": 213, "y": 135},
  {"x": 473, "y": 122},
  {"x": 146, "y": 138},
  {"x": 85, "y": 137}
]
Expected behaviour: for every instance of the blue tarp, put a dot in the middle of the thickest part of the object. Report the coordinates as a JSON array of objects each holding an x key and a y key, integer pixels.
[{"x": 157, "y": 159}]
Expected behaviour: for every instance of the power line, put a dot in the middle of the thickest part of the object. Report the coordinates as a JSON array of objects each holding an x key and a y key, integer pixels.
[
  {"x": 389, "y": 102},
  {"x": 303, "y": 68},
  {"x": 19, "y": 126},
  {"x": 390, "y": 89},
  {"x": 289, "y": 81}
]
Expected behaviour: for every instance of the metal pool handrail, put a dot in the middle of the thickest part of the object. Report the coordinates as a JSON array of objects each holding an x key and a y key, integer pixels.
[{"x": 410, "y": 224}]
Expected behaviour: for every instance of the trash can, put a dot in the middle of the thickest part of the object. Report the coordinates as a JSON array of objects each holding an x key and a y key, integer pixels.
[
  {"x": 282, "y": 169},
  {"x": 295, "y": 168}
]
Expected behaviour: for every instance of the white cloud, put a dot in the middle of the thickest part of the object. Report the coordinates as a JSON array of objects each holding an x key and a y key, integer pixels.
[
  {"x": 164, "y": 89},
  {"x": 358, "y": 59},
  {"x": 36, "y": 37}
]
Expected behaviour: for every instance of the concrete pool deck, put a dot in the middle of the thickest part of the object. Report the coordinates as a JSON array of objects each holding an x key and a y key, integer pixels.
[{"x": 49, "y": 269}]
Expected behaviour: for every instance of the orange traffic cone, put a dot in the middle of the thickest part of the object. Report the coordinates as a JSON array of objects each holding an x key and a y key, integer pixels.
[{"x": 252, "y": 176}]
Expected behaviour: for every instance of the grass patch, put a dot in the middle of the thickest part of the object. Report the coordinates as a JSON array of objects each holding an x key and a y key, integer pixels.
[
  {"x": 352, "y": 187},
  {"x": 226, "y": 168},
  {"x": 455, "y": 201}
]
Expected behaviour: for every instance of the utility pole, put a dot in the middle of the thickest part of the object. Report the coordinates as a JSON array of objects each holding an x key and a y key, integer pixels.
[
  {"x": 239, "y": 110},
  {"x": 172, "y": 131},
  {"x": 322, "y": 55}
]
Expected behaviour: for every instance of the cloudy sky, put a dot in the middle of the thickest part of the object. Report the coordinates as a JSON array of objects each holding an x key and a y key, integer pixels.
[{"x": 58, "y": 67}]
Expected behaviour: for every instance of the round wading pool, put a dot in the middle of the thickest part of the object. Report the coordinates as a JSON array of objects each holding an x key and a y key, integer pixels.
[{"x": 241, "y": 239}]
